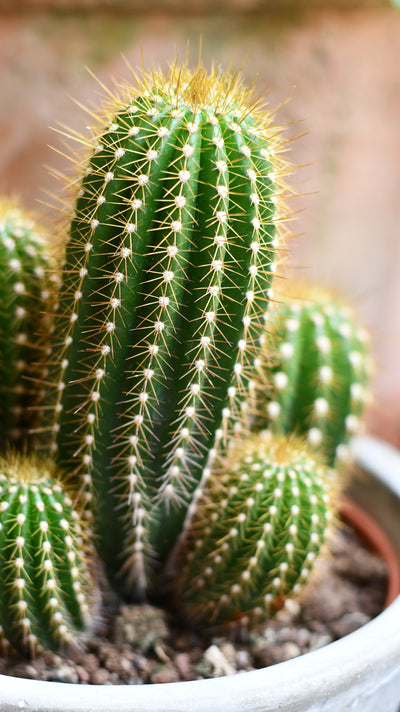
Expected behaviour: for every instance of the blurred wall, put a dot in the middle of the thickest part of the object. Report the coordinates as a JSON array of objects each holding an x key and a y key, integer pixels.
[
  {"x": 341, "y": 72},
  {"x": 214, "y": 6}
]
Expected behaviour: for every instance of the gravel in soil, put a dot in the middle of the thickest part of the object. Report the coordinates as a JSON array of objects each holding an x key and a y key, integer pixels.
[{"x": 144, "y": 647}]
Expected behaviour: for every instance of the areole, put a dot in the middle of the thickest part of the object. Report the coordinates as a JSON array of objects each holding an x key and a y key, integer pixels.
[{"x": 360, "y": 672}]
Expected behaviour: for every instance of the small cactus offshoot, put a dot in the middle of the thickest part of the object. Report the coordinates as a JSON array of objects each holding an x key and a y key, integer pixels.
[
  {"x": 256, "y": 533},
  {"x": 315, "y": 370},
  {"x": 168, "y": 266},
  {"x": 25, "y": 288},
  {"x": 45, "y": 585}
]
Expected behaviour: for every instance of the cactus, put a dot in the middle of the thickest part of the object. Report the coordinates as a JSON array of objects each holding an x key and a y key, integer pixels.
[
  {"x": 166, "y": 284},
  {"x": 45, "y": 586},
  {"x": 255, "y": 535},
  {"x": 24, "y": 291},
  {"x": 317, "y": 365}
]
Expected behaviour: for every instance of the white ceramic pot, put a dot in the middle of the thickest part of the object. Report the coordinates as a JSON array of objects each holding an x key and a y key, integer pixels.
[{"x": 360, "y": 672}]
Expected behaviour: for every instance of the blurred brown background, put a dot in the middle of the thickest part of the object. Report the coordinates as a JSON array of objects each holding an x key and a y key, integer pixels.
[{"x": 339, "y": 62}]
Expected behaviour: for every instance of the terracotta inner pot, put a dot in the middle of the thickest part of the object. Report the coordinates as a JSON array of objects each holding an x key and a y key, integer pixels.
[{"x": 377, "y": 540}]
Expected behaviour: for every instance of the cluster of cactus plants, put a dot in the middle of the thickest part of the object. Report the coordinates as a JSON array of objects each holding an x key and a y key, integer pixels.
[{"x": 158, "y": 362}]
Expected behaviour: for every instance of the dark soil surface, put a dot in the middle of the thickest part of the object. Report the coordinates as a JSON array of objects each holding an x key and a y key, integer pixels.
[{"x": 143, "y": 646}]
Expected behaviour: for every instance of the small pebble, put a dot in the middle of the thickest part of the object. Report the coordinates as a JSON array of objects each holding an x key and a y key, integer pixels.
[
  {"x": 63, "y": 673},
  {"x": 120, "y": 665},
  {"x": 318, "y": 641},
  {"x": 135, "y": 680},
  {"x": 90, "y": 662},
  {"x": 83, "y": 674},
  {"x": 99, "y": 676},
  {"x": 217, "y": 662},
  {"x": 183, "y": 665},
  {"x": 242, "y": 660},
  {"x": 228, "y": 650},
  {"x": 290, "y": 650},
  {"x": 165, "y": 673},
  {"x": 349, "y": 623},
  {"x": 302, "y": 637}
]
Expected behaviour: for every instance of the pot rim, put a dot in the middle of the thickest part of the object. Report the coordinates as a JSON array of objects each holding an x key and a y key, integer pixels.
[{"x": 306, "y": 679}]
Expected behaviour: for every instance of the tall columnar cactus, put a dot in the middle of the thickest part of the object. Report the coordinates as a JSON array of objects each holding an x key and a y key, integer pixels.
[
  {"x": 25, "y": 288},
  {"x": 45, "y": 585},
  {"x": 165, "y": 288},
  {"x": 317, "y": 363},
  {"x": 255, "y": 535}
]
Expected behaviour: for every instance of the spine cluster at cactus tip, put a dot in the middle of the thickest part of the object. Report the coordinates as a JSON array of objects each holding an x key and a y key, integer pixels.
[
  {"x": 166, "y": 284},
  {"x": 256, "y": 534},
  {"x": 315, "y": 369},
  {"x": 45, "y": 585},
  {"x": 25, "y": 289}
]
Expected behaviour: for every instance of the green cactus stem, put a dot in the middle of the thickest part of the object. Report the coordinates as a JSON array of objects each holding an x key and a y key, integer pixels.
[
  {"x": 166, "y": 284},
  {"x": 317, "y": 363},
  {"x": 257, "y": 531},
  {"x": 45, "y": 585},
  {"x": 25, "y": 288}
]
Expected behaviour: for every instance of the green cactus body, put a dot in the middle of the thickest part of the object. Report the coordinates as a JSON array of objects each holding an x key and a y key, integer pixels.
[
  {"x": 256, "y": 533},
  {"x": 318, "y": 365},
  {"x": 24, "y": 293},
  {"x": 44, "y": 586},
  {"x": 165, "y": 290}
]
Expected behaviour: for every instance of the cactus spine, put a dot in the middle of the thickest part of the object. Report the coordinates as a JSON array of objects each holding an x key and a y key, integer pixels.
[
  {"x": 165, "y": 288},
  {"x": 25, "y": 288},
  {"x": 317, "y": 364},
  {"x": 255, "y": 535},
  {"x": 45, "y": 583}
]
